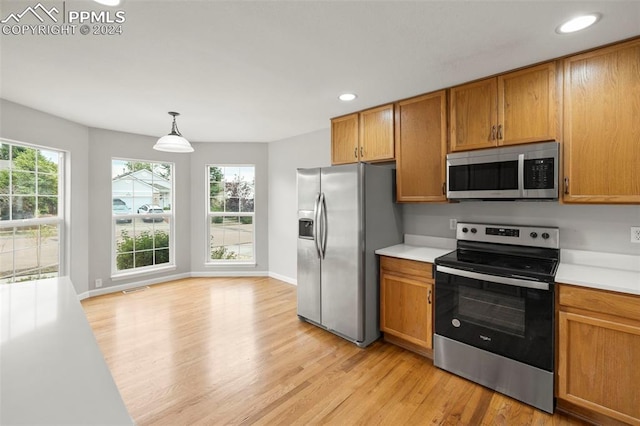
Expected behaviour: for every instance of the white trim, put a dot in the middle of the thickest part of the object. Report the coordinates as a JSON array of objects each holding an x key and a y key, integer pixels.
[
  {"x": 137, "y": 272},
  {"x": 117, "y": 288},
  {"x": 218, "y": 274},
  {"x": 229, "y": 273},
  {"x": 286, "y": 279}
]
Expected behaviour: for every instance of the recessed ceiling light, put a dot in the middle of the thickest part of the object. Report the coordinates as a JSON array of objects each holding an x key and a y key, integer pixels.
[
  {"x": 108, "y": 2},
  {"x": 347, "y": 97},
  {"x": 578, "y": 23}
]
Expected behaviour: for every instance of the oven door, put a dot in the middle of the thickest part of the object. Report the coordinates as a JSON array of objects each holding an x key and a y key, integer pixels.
[{"x": 505, "y": 316}]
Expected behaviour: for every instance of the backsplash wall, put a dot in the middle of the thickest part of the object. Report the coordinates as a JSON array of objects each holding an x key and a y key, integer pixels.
[{"x": 603, "y": 228}]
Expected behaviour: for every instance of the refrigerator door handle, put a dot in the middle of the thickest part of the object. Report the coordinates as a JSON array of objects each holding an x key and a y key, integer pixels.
[
  {"x": 323, "y": 226},
  {"x": 316, "y": 225}
]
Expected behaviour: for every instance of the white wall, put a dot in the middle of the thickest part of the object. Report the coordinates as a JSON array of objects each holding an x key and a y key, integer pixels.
[
  {"x": 285, "y": 156},
  {"x": 27, "y": 125},
  {"x": 603, "y": 228},
  {"x": 235, "y": 154},
  {"x": 104, "y": 145}
]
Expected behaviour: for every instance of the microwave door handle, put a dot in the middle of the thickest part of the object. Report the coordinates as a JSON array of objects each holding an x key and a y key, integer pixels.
[{"x": 521, "y": 189}]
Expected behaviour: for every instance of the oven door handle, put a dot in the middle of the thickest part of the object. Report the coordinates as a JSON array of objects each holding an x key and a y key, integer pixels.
[{"x": 492, "y": 278}]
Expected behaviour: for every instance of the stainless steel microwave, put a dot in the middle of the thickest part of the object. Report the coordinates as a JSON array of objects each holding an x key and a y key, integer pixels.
[{"x": 514, "y": 172}]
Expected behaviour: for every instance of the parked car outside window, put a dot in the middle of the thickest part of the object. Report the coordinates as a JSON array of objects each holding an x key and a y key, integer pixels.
[
  {"x": 119, "y": 209},
  {"x": 150, "y": 209}
]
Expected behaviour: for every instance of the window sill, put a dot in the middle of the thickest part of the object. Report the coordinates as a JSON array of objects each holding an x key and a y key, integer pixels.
[{"x": 124, "y": 275}]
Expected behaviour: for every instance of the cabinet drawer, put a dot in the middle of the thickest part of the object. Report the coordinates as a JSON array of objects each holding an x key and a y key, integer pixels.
[
  {"x": 622, "y": 305},
  {"x": 413, "y": 268}
]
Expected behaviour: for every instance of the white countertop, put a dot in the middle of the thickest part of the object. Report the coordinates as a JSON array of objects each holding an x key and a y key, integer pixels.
[
  {"x": 603, "y": 271},
  {"x": 51, "y": 368}
]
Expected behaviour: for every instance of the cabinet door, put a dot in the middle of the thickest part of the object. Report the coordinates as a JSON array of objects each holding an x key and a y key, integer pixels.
[
  {"x": 406, "y": 308},
  {"x": 598, "y": 363},
  {"x": 527, "y": 108},
  {"x": 473, "y": 115},
  {"x": 421, "y": 148},
  {"x": 376, "y": 134},
  {"x": 344, "y": 139},
  {"x": 602, "y": 125}
]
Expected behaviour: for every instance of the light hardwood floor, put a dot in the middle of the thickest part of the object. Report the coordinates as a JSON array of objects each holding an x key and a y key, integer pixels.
[{"x": 232, "y": 351}]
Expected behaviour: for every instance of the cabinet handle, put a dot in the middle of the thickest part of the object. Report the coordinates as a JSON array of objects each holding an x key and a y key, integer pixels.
[
  {"x": 361, "y": 152},
  {"x": 492, "y": 136},
  {"x": 444, "y": 188},
  {"x": 499, "y": 131},
  {"x": 429, "y": 297},
  {"x": 566, "y": 185},
  {"x": 355, "y": 152}
]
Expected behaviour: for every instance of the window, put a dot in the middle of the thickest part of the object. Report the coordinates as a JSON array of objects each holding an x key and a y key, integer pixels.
[
  {"x": 31, "y": 213},
  {"x": 231, "y": 214},
  {"x": 141, "y": 216}
]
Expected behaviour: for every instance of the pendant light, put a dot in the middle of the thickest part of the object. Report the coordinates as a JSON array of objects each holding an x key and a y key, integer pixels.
[{"x": 173, "y": 142}]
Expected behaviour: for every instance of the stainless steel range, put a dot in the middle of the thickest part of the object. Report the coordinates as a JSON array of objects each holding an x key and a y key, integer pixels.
[{"x": 494, "y": 310}]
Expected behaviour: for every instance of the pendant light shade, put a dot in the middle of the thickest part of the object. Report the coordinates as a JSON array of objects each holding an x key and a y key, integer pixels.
[{"x": 173, "y": 142}]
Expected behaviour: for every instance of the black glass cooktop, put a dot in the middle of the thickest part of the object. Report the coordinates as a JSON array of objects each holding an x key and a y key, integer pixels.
[{"x": 538, "y": 264}]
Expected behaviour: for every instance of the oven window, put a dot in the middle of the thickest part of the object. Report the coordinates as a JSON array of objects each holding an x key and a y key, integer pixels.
[
  {"x": 484, "y": 177},
  {"x": 494, "y": 310}
]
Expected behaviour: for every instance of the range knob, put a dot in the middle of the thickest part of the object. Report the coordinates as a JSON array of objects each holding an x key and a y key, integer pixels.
[
  {"x": 465, "y": 229},
  {"x": 533, "y": 235},
  {"x": 545, "y": 236},
  {"x": 474, "y": 230}
]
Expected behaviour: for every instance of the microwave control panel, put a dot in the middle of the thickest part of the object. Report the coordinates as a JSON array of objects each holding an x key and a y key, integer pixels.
[{"x": 539, "y": 173}]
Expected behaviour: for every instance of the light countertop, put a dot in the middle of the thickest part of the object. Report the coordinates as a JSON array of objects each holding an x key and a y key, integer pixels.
[
  {"x": 51, "y": 368},
  {"x": 603, "y": 271}
]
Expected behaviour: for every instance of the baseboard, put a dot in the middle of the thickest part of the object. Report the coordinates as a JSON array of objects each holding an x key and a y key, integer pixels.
[
  {"x": 229, "y": 273},
  {"x": 286, "y": 279},
  {"x": 117, "y": 288},
  {"x": 199, "y": 274}
]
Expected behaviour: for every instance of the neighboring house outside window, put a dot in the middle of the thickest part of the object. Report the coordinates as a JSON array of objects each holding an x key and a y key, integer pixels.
[
  {"x": 231, "y": 214},
  {"x": 31, "y": 212},
  {"x": 142, "y": 216}
]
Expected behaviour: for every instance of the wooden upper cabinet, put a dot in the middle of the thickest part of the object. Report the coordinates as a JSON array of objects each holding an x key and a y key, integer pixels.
[
  {"x": 473, "y": 115},
  {"x": 602, "y": 125},
  {"x": 513, "y": 108},
  {"x": 421, "y": 148},
  {"x": 376, "y": 134},
  {"x": 527, "y": 105},
  {"x": 344, "y": 139}
]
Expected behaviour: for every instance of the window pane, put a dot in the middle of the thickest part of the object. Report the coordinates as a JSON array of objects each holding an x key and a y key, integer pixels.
[
  {"x": 47, "y": 206},
  {"x": 246, "y": 205},
  {"x": 47, "y": 184},
  {"x": 4, "y": 180},
  {"x": 23, "y": 183},
  {"x": 23, "y": 208},
  {"x": 29, "y": 179},
  {"x": 6, "y": 264},
  {"x": 231, "y": 190},
  {"x": 5, "y": 209},
  {"x": 162, "y": 256},
  {"x": 24, "y": 158},
  {"x": 144, "y": 189},
  {"x": 217, "y": 204}
]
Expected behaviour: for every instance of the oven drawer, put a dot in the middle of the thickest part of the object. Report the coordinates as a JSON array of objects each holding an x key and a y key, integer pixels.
[{"x": 605, "y": 302}]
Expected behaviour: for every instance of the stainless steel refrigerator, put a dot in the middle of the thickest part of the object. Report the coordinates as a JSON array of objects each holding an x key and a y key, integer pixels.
[{"x": 345, "y": 213}]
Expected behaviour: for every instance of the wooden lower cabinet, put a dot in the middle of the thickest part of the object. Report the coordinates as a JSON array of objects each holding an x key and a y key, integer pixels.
[
  {"x": 599, "y": 354},
  {"x": 406, "y": 303}
]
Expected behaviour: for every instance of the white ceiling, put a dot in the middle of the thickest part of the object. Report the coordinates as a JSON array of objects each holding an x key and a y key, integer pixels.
[{"x": 242, "y": 71}]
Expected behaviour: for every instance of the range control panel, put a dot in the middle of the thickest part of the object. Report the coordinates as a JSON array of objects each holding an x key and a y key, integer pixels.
[{"x": 533, "y": 236}]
